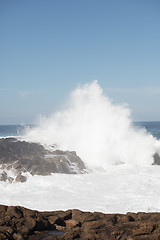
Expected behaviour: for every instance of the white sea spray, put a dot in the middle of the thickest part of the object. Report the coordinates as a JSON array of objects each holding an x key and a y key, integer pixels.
[{"x": 99, "y": 131}]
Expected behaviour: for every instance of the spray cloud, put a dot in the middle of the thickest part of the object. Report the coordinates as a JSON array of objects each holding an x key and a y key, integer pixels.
[{"x": 99, "y": 131}]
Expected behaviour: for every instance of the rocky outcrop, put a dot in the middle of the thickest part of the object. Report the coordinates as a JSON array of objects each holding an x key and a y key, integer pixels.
[
  {"x": 18, "y": 223},
  {"x": 156, "y": 159},
  {"x": 19, "y": 157}
]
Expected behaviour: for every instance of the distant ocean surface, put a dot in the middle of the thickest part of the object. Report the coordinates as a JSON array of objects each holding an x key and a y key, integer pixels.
[
  {"x": 151, "y": 127},
  {"x": 17, "y": 130},
  {"x": 12, "y": 130}
]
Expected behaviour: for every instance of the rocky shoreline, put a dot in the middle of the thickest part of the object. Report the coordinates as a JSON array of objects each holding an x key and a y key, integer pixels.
[
  {"x": 19, "y": 223},
  {"x": 19, "y": 157}
]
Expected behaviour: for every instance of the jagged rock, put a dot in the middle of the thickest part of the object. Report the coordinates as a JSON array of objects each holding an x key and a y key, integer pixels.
[
  {"x": 17, "y": 236},
  {"x": 6, "y": 232},
  {"x": 156, "y": 159},
  {"x": 18, "y": 157},
  {"x": 3, "y": 176},
  {"x": 72, "y": 223},
  {"x": 15, "y": 212},
  {"x": 21, "y": 178},
  {"x": 21, "y": 223}
]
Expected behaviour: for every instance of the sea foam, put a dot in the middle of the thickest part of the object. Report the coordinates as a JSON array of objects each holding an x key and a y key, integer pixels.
[{"x": 101, "y": 132}]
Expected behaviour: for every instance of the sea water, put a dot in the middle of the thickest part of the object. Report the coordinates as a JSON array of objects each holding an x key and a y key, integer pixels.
[
  {"x": 152, "y": 127},
  {"x": 118, "y": 152},
  {"x": 13, "y": 130}
]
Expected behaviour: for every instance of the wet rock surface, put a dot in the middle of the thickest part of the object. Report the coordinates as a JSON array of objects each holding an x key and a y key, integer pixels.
[
  {"x": 156, "y": 159},
  {"x": 18, "y": 223},
  {"x": 19, "y": 157}
]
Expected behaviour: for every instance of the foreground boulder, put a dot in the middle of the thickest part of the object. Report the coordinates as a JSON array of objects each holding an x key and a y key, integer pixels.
[
  {"x": 19, "y": 157},
  {"x": 18, "y": 223}
]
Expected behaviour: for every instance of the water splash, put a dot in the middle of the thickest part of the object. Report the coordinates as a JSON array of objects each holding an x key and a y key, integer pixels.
[{"x": 99, "y": 131}]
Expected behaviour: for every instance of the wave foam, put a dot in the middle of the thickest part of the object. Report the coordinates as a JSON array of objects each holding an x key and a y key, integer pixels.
[{"x": 99, "y": 131}]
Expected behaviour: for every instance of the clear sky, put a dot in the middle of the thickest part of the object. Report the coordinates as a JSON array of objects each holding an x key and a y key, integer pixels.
[{"x": 48, "y": 47}]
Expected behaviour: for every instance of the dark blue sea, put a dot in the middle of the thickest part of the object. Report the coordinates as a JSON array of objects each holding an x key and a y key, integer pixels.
[
  {"x": 17, "y": 130},
  {"x": 12, "y": 130},
  {"x": 151, "y": 127}
]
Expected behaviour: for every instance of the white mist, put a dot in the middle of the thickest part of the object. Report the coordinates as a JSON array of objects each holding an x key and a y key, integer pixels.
[{"x": 99, "y": 131}]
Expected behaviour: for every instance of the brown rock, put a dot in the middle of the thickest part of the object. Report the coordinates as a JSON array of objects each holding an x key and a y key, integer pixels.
[
  {"x": 30, "y": 222},
  {"x": 59, "y": 221},
  {"x": 72, "y": 223},
  {"x": 41, "y": 224},
  {"x": 73, "y": 234},
  {"x": 14, "y": 212},
  {"x": 25, "y": 230},
  {"x": 5, "y": 232},
  {"x": 65, "y": 215},
  {"x": 3, "y": 210},
  {"x": 52, "y": 219},
  {"x": 21, "y": 178},
  {"x": 3, "y": 176},
  {"x": 17, "y": 236},
  {"x": 19, "y": 223},
  {"x": 29, "y": 213},
  {"x": 144, "y": 229}
]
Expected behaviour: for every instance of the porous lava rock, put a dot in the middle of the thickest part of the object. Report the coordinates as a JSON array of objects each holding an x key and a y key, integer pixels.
[
  {"x": 19, "y": 223},
  {"x": 19, "y": 157}
]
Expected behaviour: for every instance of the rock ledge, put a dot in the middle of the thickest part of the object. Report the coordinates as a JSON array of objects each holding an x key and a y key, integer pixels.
[
  {"x": 20, "y": 157},
  {"x": 18, "y": 223}
]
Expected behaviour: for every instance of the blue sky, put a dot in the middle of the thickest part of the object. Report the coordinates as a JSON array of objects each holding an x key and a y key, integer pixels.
[{"x": 49, "y": 47}]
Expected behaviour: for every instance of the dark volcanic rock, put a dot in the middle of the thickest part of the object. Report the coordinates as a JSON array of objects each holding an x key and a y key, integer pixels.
[
  {"x": 21, "y": 178},
  {"x": 156, "y": 159},
  {"x": 18, "y": 157},
  {"x": 19, "y": 223},
  {"x": 3, "y": 176}
]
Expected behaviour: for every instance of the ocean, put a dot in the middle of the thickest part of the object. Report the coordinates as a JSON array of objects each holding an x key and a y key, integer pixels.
[
  {"x": 119, "y": 189},
  {"x": 13, "y": 130},
  {"x": 152, "y": 127},
  {"x": 119, "y": 155}
]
